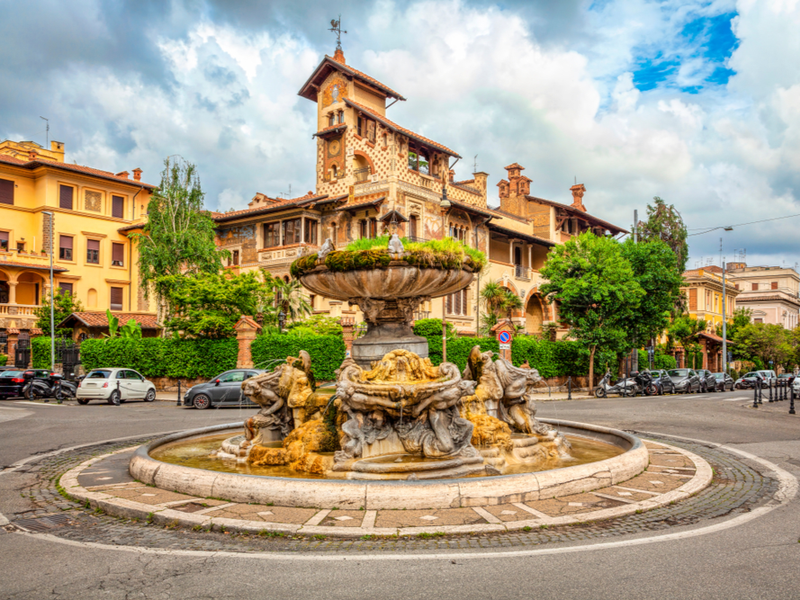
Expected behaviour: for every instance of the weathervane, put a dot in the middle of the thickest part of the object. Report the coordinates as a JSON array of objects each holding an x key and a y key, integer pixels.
[{"x": 336, "y": 27}]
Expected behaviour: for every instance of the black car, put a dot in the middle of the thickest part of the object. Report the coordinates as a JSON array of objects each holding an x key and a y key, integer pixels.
[
  {"x": 223, "y": 390},
  {"x": 663, "y": 382},
  {"x": 686, "y": 380},
  {"x": 708, "y": 383},
  {"x": 724, "y": 382},
  {"x": 11, "y": 384}
]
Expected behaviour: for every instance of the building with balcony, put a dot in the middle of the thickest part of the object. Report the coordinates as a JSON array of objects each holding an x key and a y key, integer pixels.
[
  {"x": 372, "y": 173},
  {"x": 90, "y": 212},
  {"x": 772, "y": 293},
  {"x": 703, "y": 291}
]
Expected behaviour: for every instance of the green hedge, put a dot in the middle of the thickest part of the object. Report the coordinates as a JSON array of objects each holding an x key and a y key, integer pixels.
[
  {"x": 458, "y": 349},
  {"x": 162, "y": 357},
  {"x": 40, "y": 352},
  {"x": 660, "y": 361},
  {"x": 327, "y": 352}
]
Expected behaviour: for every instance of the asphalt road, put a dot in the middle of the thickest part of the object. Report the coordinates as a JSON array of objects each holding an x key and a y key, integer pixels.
[{"x": 757, "y": 559}]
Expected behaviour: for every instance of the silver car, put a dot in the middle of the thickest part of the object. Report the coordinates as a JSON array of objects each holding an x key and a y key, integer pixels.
[{"x": 115, "y": 386}]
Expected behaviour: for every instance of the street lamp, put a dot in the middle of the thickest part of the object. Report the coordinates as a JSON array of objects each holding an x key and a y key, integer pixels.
[
  {"x": 52, "y": 306},
  {"x": 281, "y": 320}
]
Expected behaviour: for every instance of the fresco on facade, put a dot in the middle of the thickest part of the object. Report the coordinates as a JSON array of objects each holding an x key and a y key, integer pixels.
[{"x": 244, "y": 235}]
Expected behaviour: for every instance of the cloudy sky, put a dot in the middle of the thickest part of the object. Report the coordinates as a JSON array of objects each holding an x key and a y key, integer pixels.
[{"x": 696, "y": 101}]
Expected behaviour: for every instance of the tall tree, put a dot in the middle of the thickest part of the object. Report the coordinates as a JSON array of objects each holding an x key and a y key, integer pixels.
[
  {"x": 289, "y": 298},
  {"x": 684, "y": 330},
  {"x": 771, "y": 344},
  {"x": 596, "y": 289},
  {"x": 656, "y": 269},
  {"x": 179, "y": 234},
  {"x": 665, "y": 223}
]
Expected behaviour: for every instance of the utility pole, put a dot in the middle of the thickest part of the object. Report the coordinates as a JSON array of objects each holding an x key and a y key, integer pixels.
[
  {"x": 635, "y": 224},
  {"x": 52, "y": 294},
  {"x": 724, "y": 325}
]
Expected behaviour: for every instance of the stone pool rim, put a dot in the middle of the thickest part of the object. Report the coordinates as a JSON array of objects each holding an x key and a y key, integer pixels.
[{"x": 372, "y": 494}]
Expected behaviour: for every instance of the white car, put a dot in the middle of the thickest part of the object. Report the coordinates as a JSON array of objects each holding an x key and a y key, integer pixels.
[{"x": 115, "y": 386}]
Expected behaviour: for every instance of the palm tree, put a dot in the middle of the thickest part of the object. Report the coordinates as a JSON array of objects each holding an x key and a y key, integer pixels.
[
  {"x": 493, "y": 295},
  {"x": 511, "y": 302},
  {"x": 290, "y": 299}
]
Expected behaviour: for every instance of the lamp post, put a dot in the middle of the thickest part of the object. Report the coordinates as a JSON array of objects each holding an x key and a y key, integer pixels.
[
  {"x": 281, "y": 320},
  {"x": 52, "y": 294}
]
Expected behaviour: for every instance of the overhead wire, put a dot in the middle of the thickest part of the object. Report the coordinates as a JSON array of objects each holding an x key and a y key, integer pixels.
[{"x": 710, "y": 229}]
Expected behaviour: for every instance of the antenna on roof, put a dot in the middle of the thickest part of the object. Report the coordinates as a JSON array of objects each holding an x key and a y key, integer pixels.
[
  {"x": 286, "y": 194},
  {"x": 576, "y": 180},
  {"x": 46, "y": 133},
  {"x": 336, "y": 27},
  {"x": 475, "y": 165}
]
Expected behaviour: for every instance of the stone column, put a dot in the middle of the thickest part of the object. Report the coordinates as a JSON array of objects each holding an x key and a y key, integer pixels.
[
  {"x": 12, "y": 292},
  {"x": 246, "y": 331}
]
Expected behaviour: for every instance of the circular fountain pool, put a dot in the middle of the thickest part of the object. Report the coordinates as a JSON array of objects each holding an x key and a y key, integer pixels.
[{"x": 183, "y": 462}]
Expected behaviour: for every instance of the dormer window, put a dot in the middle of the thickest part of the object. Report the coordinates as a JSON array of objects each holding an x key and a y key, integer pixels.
[{"x": 419, "y": 160}]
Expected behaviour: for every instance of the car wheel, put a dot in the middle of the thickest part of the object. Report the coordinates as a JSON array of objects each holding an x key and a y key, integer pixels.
[
  {"x": 151, "y": 395},
  {"x": 83, "y": 401},
  {"x": 202, "y": 401},
  {"x": 114, "y": 398}
]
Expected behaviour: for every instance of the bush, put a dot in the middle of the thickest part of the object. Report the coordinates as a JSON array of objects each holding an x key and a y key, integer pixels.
[
  {"x": 3, "y": 360},
  {"x": 316, "y": 325},
  {"x": 40, "y": 352},
  {"x": 433, "y": 328},
  {"x": 660, "y": 361},
  {"x": 326, "y": 351}
]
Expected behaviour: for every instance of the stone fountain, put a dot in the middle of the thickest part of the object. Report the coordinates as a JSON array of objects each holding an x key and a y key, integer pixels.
[{"x": 399, "y": 416}]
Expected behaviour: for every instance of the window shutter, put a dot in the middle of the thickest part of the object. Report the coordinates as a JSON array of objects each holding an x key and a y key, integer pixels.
[
  {"x": 4, "y": 238},
  {"x": 774, "y": 285},
  {"x": 117, "y": 206},
  {"x": 693, "y": 299},
  {"x": 66, "y": 242},
  {"x": 66, "y": 287},
  {"x": 65, "y": 197},
  {"x": 117, "y": 253},
  {"x": 116, "y": 298},
  {"x": 6, "y": 191},
  {"x": 93, "y": 245}
]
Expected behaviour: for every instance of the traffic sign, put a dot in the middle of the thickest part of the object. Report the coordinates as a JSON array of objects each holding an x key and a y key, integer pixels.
[
  {"x": 505, "y": 346},
  {"x": 504, "y": 337}
]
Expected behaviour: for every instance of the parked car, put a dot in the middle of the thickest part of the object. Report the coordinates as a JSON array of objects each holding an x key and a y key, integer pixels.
[
  {"x": 787, "y": 377},
  {"x": 724, "y": 382},
  {"x": 708, "y": 383},
  {"x": 224, "y": 389},
  {"x": 796, "y": 387},
  {"x": 663, "y": 382},
  {"x": 686, "y": 380},
  {"x": 748, "y": 380},
  {"x": 768, "y": 375},
  {"x": 8, "y": 368},
  {"x": 115, "y": 386},
  {"x": 11, "y": 384}
]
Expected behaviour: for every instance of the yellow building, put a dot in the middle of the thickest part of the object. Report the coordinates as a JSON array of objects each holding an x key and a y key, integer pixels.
[
  {"x": 370, "y": 170},
  {"x": 91, "y": 212},
  {"x": 703, "y": 292}
]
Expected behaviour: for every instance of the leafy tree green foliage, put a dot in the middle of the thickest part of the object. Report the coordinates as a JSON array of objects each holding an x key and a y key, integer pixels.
[
  {"x": 64, "y": 304},
  {"x": 684, "y": 330},
  {"x": 665, "y": 223},
  {"x": 660, "y": 361},
  {"x": 316, "y": 325},
  {"x": 179, "y": 234},
  {"x": 556, "y": 359},
  {"x": 499, "y": 302},
  {"x": 765, "y": 342},
  {"x": 3, "y": 360},
  {"x": 742, "y": 317},
  {"x": 433, "y": 328},
  {"x": 207, "y": 305},
  {"x": 40, "y": 352},
  {"x": 656, "y": 270},
  {"x": 596, "y": 290},
  {"x": 131, "y": 329},
  {"x": 326, "y": 351}
]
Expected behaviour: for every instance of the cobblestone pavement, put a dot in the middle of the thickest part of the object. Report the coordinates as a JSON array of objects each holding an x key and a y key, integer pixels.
[{"x": 737, "y": 487}]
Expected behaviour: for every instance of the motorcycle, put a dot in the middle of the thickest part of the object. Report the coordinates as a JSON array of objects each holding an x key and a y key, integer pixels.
[
  {"x": 644, "y": 379},
  {"x": 623, "y": 387},
  {"x": 55, "y": 386}
]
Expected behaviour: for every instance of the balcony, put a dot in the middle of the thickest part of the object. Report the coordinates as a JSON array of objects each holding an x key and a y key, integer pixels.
[
  {"x": 24, "y": 259},
  {"x": 522, "y": 273},
  {"x": 362, "y": 175}
]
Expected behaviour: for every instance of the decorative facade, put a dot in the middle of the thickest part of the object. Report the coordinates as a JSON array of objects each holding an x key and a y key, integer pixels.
[
  {"x": 772, "y": 293},
  {"x": 370, "y": 170}
]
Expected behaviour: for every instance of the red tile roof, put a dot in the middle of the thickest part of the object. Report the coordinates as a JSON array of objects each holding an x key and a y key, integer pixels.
[
  {"x": 330, "y": 129},
  {"x": 32, "y": 164},
  {"x": 131, "y": 227},
  {"x": 394, "y": 126},
  {"x": 100, "y": 319},
  {"x": 579, "y": 213},
  {"x": 309, "y": 89},
  {"x": 273, "y": 207}
]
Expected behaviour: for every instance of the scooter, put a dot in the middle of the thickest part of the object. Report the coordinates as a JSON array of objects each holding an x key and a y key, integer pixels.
[
  {"x": 54, "y": 386},
  {"x": 623, "y": 387},
  {"x": 645, "y": 382}
]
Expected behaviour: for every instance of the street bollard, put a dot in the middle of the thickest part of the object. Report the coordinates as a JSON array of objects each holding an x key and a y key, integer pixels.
[
  {"x": 755, "y": 395},
  {"x": 791, "y": 401},
  {"x": 769, "y": 383},
  {"x": 119, "y": 397},
  {"x": 569, "y": 388},
  {"x": 179, "y": 393}
]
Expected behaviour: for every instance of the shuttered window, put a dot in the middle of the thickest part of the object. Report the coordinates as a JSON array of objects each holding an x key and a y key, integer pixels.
[
  {"x": 774, "y": 285},
  {"x": 65, "y": 247},
  {"x": 117, "y": 254},
  {"x": 6, "y": 191},
  {"x": 117, "y": 206},
  {"x": 93, "y": 251},
  {"x": 65, "y": 197},
  {"x": 65, "y": 287},
  {"x": 116, "y": 298},
  {"x": 3, "y": 241},
  {"x": 272, "y": 234}
]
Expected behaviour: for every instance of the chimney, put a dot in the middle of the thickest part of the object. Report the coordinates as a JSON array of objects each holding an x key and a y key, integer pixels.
[
  {"x": 57, "y": 148},
  {"x": 123, "y": 174},
  {"x": 481, "y": 180},
  {"x": 32, "y": 155},
  {"x": 137, "y": 174},
  {"x": 503, "y": 185},
  {"x": 577, "y": 196},
  {"x": 452, "y": 175},
  {"x": 514, "y": 171}
]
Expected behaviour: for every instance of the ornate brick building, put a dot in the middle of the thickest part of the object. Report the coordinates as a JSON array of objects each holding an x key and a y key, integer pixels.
[{"x": 371, "y": 170}]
